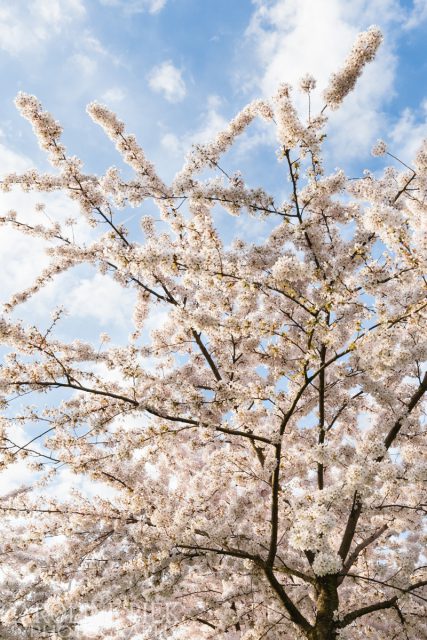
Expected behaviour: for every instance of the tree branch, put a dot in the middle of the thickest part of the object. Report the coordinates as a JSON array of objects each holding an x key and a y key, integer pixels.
[
  {"x": 207, "y": 355},
  {"x": 355, "y": 554},
  {"x": 394, "y": 431},
  {"x": 350, "y": 529},
  {"x": 363, "y": 611},
  {"x": 294, "y": 613},
  {"x": 274, "y": 508},
  {"x": 384, "y": 604},
  {"x": 321, "y": 426}
]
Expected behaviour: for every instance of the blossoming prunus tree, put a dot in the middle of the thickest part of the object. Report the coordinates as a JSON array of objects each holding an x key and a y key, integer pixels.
[{"x": 280, "y": 404}]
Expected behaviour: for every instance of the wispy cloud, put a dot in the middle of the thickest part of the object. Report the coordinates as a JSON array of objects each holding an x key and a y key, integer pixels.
[
  {"x": 136, "y": 6},
  {"x": 211, "y": 122},
  {"x": 28, "y": 27},
  {"x": 298, "y": 36},
  {"x": 408, "y": 132},
  {"x": 417, "y": 15},
  {"x": 167, "y": 80},
  {"x": 84, "y": 63},
  {"x": 102, "y": 299},
  {"x": 113, "y": 95}
]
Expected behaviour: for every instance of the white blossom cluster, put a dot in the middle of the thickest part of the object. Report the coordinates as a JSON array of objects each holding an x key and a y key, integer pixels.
[
  {"x": 327, "y": 563},
  {"x": 342, "y": 82}
]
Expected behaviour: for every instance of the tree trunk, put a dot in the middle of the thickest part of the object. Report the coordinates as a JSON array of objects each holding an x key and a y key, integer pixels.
[
  {"x": 326, "y": 604},
  {"x": 322, "y": 634}
]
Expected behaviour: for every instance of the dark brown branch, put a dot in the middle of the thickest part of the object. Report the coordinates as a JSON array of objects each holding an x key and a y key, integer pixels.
[
  {"x": 394, "y": 431},
  {"x": 403, "y": 189},
  {"x": 410, "y": 589},
  {"x": 363, "y": 611},
  {"x": 195, "y": 423},
  {"x": 66, "y": 512},
  {"x": 358, "y": 549},
  {"x": 377, "y": 606},
  {"x": 207, "y": 355},
  {"x": 77, "y": 387},
  {"x": 284, "y": 568},
  {"x": 357, "y": 506},
  {"x": 297, "y": 207},
  {"x": 350, "y": 528},
  {"x": 321, "y": 439},
  {"x": 135, "y": 403},
  {"x": 342, "y": 408},
  {"x": 233, "y": 553},
  {"x": 209, "y": 624},
  {"x": 294, "y": 613},
  {"x": 244, "y": 434},
  {"x": 274, "y": 508},
  {"x": 419, "y": 507}
]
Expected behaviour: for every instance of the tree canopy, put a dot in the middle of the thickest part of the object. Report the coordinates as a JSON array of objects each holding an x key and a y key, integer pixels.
[{"x": 264, "y": 443}]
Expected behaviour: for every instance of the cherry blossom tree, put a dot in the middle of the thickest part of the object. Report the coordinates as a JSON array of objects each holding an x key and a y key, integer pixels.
[{"x": 264, "y": 444}]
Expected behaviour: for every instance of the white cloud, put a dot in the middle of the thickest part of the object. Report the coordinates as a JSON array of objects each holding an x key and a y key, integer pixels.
[
  {"x": 66, "y": 481},
  {"x": 89, "y": 60},
  {"x": 18, "y": 272},
  {"x": 26, "y": 27},
  {"x": 167, "y": 79},
  {"x": 114, "y": 94},
  {"x": 95, "y": 298},
  {"x": 13, "y": 161},
  {"x": 172, "y": 143},
  {"x": 56, "y": 13},
  {"x": 136, "y": 6},
  {"x": 211, "y": 123},
  {"x": 298, "y": 36},
  {"x": 85, "y": 64},
  {"x": 16, "y": 476},
  {"x": 24, "y": 258},
  {"x": 102, "y": 299},
  {"x": 93, "y": 44},
  {"x": 417, "y": 15},
  {"x": 408, "y": 132},
  {"x": 93, "y": 47}
]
